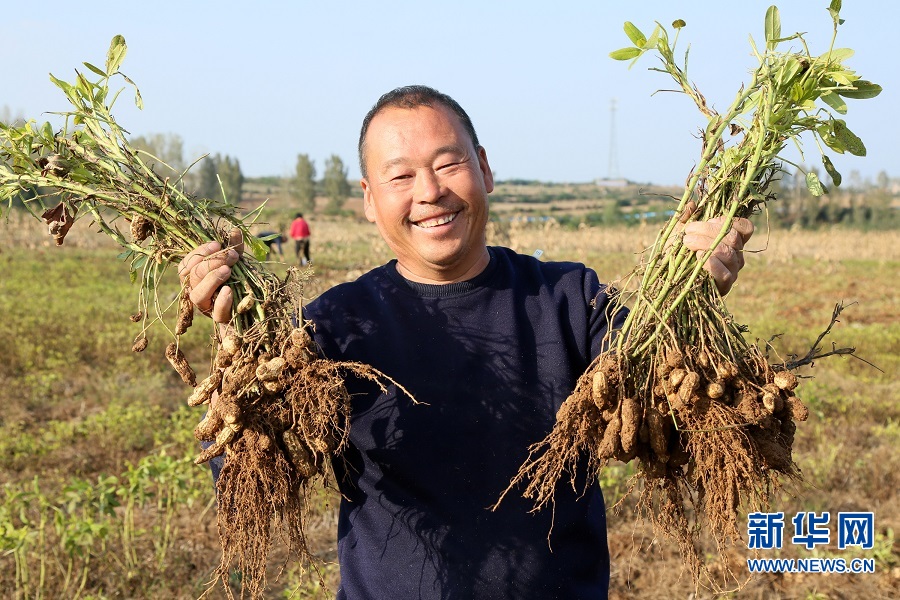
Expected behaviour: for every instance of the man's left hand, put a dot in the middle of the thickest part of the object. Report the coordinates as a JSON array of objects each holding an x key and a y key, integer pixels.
[{"x": 728, "y": 257}]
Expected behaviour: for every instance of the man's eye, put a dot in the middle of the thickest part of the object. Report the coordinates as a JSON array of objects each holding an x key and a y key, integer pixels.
[{"x": 449, "y": 165}]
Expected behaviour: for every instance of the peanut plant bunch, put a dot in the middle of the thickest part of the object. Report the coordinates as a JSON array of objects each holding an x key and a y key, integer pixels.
[
  {"x": 282, "y": 411},
  {"x": 709, "y": 420}
]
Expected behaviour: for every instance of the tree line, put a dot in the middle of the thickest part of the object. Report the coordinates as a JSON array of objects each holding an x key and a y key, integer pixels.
[
  {"x": 853, "y": 203},
  {"x": 335, "y": 186},
  {"x": 217, "y": 176}
]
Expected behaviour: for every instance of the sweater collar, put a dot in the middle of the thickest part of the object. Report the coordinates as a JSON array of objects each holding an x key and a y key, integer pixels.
[{"x": 444, "y": 290}]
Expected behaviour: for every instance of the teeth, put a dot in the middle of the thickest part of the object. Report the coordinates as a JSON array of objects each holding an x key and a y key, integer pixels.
[{"x": 435, "y": 222}]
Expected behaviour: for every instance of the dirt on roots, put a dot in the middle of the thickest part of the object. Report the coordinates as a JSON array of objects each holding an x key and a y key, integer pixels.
[{"x": 709, "y": 435}]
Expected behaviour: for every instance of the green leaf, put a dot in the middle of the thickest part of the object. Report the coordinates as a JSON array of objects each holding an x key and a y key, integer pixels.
[
  {"x": 259, "y": 250},
  {"x": 64, "y": 86},
  {"x": 634, "y": 34},
  {"x": 837, "y": 55},
  {"x": 848, "y": 139},
  {"x": 826, "y": 132},
  {"x": 47, "y": 132},
  {"x": 116, "y": 54},
  {"x": 835, "y": 9},
  {"x": 132, "y": 275},
  {"x": 864, "y": 89},
  {"x": 773, "y": 26},
  {"x": 96, "y": 70},
  {"x": 653, "y": 40},
  {"x": 85, "y": 87},
  {"x": 802, "y": 91},
  {"x": 835, "y": 102},
  {"x": 678, "y": 24},
  {"x": 832, "y": 172},
  {"x": 845, "y": 78},
  {"x": 814, "y": 186},
  {"x": 790, "y": 70},
  {"x": 625, "y": 53}
]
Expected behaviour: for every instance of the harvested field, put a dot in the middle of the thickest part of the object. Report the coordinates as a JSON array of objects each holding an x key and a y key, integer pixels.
[{"x": 96, "y": 442}]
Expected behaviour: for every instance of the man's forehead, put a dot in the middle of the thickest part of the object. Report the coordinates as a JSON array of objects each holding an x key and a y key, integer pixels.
[
  {"x": 397, "y": 129},
  {"x": 407, "y": 117}
]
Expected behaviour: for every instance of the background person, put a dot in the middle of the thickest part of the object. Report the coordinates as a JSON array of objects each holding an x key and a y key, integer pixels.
[{"x": 300, "y": 234}]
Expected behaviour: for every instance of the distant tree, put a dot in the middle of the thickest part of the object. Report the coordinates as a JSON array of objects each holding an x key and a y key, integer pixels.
[
  {"x": 216, "y": 169},
  {"x": 9, "y": 117},
  {"x": 876, "y": 205},
  {"x": 207, "y": 185},
  {"x": 167, "y": 148},
  {"x": 232, "y": 178},
  {"x": 303, "y": 184},
  {"x": 612, "y": 214},
  {"x": 337, "y": 188},
  {"x": 780, "y": 211}
]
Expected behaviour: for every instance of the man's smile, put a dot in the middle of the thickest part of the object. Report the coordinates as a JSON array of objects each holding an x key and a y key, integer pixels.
[{"x": 434, "y": 222}]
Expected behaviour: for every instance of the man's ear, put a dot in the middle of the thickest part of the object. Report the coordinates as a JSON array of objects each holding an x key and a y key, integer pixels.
[
  {"x": 486, "y": 173},
  {"x": 368, "y": 201}
]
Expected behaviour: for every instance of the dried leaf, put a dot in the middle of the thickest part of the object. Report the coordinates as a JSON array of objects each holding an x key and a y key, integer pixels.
[{"x": 59, "y": 222}]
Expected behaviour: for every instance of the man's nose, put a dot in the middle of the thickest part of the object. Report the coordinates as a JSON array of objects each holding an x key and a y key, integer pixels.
[{"x": 428, "y": 187}]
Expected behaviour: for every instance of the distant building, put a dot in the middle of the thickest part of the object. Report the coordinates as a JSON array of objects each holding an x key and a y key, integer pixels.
[{"x": 608, "y": 182}]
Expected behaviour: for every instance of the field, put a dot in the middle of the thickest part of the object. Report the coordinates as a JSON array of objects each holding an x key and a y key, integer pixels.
[{"x": 101, "y": 499}]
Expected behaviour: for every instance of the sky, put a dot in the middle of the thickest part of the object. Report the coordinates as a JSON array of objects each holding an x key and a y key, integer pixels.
[{"x": 265, "y": 81}]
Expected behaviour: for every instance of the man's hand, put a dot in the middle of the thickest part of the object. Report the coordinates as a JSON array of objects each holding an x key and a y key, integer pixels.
[
  {"x": 206, "y": 269},
  {"x": 728, "y": 257}
]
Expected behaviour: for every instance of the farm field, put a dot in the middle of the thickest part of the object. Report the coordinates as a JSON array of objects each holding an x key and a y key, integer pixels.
[{"x": 101, "y": 499}]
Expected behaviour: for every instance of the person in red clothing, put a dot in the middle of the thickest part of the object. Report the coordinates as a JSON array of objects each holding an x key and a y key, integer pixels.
[{"x": 300, "y": 234}]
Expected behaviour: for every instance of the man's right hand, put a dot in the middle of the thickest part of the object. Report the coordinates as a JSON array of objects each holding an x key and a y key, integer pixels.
[{"x": 205, "y": 270}]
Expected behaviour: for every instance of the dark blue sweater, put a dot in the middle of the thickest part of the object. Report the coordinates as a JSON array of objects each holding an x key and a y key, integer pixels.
[{"x": 490, "y": 361}]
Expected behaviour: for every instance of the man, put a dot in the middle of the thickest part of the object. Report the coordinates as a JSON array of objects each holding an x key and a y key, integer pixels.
[
  {"x": 300, "y": 234},
  {"x": 489, "y": 342}
]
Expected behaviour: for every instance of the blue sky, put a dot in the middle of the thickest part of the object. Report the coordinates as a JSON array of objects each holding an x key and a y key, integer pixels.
[{"x": 264, "y": 81}]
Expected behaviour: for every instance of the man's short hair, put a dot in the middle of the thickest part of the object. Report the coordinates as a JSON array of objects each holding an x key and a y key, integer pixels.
[{"x": 412, "y": 96}]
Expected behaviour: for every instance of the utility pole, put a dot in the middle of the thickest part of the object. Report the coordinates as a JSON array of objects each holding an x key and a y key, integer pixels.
[{"x": 612, "y": 169}]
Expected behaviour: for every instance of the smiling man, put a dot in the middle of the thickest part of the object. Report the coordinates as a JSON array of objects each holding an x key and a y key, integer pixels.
[
  {"x": 425, "y": 184},
  {"x": 489, "y": 341}
]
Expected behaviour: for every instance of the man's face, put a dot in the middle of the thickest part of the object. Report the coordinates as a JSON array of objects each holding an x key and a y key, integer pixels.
[{"x": 426, "y": 190}]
